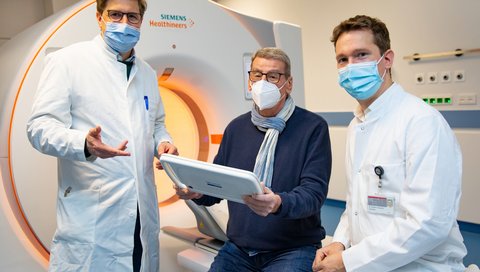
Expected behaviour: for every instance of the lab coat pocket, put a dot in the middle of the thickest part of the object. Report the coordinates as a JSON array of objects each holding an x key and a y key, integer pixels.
[
  {"x": 70, "y": 256},
  {"x": 385, "y": 187},
  {"x": 388, "y": 178},
  {"x": 152, "y": 111},
  {"x": 147, "y": 124},
  {"x": 149, "y": 114},
  {"x": 77, "y": 214}
]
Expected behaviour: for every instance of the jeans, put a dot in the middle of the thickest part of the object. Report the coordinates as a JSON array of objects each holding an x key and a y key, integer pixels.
[{"x": 232, "y": 258}]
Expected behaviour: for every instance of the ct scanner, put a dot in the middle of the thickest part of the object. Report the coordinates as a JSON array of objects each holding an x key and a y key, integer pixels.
[{"x": 201, "y": 52}]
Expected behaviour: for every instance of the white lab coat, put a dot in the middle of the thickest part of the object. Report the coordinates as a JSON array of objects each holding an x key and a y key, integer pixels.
[
  {"x": 422, "y": 162},
  {"x": 82, "y": 86}
]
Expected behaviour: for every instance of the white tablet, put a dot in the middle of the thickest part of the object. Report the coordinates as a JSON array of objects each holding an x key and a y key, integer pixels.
[{"x": 210, "y": 179}]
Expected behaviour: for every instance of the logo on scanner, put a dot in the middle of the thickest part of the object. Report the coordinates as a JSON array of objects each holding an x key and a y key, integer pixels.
[{"x": 172, "y": 21}]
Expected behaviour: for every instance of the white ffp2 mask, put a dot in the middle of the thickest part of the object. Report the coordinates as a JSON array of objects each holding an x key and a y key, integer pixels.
[{"x": 265, "y": 94}]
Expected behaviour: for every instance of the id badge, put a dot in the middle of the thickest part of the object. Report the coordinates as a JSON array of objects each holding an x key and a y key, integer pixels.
[{"x": 381, "y": 204}]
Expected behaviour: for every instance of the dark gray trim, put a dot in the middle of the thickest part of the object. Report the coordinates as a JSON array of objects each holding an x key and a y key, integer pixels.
[
  {"x": 462, "y": 119},
  {"x": 337, "y": 118},
  {"x": 456, "y": 119}
]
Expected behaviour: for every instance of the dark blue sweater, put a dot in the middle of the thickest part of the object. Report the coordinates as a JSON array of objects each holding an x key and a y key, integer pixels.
[{"x": 301, "y": 174}]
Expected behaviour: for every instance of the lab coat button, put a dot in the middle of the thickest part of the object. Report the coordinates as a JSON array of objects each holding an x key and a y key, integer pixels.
[
  {"x": 131, "y": 214},
  {"x": 356, "y": 213},
  {"x": 362, "y": 128}
]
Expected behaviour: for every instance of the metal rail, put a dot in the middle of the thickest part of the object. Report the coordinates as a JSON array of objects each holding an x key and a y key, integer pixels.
[{"x": 456, "y": 53}]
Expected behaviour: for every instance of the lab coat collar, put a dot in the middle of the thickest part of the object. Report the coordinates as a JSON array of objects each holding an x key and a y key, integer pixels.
[
  {"x": 379, "y": 107},
  {"x": 100, "y": 41}
]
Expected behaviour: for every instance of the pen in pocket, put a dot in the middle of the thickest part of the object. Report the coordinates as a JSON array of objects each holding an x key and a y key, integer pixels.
[{"x": 146, "y": 102}]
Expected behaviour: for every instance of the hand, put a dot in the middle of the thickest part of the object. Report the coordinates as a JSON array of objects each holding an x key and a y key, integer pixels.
[
  {"x": 263, "y": 204},
  {"x": 165, "y": 147},
  {"x": 329, "y": 258},
  {"x": 97, "y": 148},
  {"x": 185, "y": 193}
]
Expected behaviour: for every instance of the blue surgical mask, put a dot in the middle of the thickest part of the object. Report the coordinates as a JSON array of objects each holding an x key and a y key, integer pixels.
[
  {"x": 361, "y": 80},
  {"x": 121, "y": 37}
]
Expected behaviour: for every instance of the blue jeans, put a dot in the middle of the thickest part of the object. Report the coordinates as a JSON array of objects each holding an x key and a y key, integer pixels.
[{"x": 232, "y": 258}]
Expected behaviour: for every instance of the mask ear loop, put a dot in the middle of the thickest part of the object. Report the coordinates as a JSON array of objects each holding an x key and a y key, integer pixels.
[
  {"x": 384, "y": 73},
  {"x": 283, "y": 85},
  {"x": 285, "y": 92},
  {"x": 380, "y": 59}
]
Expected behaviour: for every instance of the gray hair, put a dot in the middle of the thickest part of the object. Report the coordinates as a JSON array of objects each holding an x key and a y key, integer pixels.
[{"x": 276, "y": 54}]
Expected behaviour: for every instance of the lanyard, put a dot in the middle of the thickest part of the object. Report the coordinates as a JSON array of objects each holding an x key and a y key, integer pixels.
[{"x": 379, "y": 172}]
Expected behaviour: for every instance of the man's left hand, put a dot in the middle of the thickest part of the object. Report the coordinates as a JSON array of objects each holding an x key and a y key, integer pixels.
[
  {"x": 263, "y": 204},
  {"x": 168, "y": 148}
]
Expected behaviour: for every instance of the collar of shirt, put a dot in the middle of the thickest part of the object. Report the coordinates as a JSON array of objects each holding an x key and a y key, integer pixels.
[{"x": 378, "y": 107}]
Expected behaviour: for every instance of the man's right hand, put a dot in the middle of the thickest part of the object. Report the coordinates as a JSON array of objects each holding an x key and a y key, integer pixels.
[
  {"x": 329, "y": 258},
  {"x": 97, "y": 148},
  {"x": 185, "y": 193}
]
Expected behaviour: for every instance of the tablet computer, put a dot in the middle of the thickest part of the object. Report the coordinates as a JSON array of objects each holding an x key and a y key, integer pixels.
[{"x": 210, "y": 179}]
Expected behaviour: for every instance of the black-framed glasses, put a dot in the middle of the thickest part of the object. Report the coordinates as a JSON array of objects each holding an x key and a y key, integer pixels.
[
  {"x": 117, "y": 16},
  {"x": 272, "y": 77}
]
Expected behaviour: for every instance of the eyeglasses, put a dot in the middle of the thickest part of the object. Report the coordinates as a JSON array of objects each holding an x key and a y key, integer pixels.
[
  {"x": 272, "y": 77},
  {"x": 117, "y": 16}
]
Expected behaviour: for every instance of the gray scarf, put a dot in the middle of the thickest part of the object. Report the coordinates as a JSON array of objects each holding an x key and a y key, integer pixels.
[{"x": 273, "y": 127}]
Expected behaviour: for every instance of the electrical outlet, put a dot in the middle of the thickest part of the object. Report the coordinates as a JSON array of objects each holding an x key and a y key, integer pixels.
[
  {"x": 467, "y": 99},
  {"x": 432, "y": 77},
  {"x": 459, "y": 75},
  {"x": 420, "y": 78},
  {"x": 445, "y": 76}
]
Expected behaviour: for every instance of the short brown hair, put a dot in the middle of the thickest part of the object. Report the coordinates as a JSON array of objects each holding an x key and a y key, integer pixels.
[
  {"x": 276, "y": 54},
  {"x": 381, "y": 37},
  {"x": 142, "y": 5}
]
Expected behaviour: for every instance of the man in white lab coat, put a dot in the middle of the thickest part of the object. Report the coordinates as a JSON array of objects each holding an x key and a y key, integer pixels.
[
  {"x": 403, "y": 167},
  {"x": 92, "y": 96}
]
